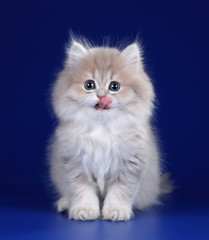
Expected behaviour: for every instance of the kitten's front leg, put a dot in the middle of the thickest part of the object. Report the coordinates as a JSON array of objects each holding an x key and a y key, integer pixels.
[
  {"x": 116, "y": 207},
  {"x": 84, "y": 202},
  {"x": 119, "y": 199}
]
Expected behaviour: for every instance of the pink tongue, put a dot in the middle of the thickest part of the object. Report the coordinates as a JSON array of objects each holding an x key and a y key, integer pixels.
[{"x": 104, "y": 102}]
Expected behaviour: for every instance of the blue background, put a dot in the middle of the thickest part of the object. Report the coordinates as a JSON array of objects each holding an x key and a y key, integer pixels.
[{"x": 175, "y": 37}]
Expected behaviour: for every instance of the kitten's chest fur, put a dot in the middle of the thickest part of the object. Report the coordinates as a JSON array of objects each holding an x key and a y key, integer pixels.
[{"x": 98, "y": 151}]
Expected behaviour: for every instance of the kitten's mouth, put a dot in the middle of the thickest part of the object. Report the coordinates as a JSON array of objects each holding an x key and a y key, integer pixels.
[{"x": 104, "y": 103}]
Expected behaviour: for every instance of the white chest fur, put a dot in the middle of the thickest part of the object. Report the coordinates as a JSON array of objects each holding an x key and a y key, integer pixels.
[{"x": 98, "y": 151}]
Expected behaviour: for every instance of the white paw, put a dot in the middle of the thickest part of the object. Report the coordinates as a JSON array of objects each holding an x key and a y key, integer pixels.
[
  {"x": 116, "y": 213},
  {"x": 63, "y": 204},
  {"x": 84, "y": 212}
]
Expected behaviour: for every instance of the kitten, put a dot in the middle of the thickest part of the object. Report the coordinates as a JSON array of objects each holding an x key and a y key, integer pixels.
[{"x": 104, "y": 161}]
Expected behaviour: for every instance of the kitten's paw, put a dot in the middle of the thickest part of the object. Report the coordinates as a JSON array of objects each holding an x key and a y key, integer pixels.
[
  {"x": 63, "y": 204},
  {"x": 84, "y": 213},
  {"x": 116, "y": 213}
]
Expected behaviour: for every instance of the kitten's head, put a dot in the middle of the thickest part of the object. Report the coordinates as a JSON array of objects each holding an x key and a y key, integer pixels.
[{"x": 102, "y": 83}]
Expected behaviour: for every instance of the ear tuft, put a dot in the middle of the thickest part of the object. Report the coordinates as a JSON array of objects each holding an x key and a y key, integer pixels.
[
  {"x": 132, "y": 55},
  {"x": 75, "y": 53}
]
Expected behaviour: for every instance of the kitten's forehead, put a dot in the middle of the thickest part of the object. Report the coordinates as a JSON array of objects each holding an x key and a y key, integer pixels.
[
  {"x": 102, "y": 75},
  {"x": 102, "y": 62}
]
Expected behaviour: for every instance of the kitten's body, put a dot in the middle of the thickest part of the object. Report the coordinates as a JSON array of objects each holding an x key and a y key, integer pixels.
[{"x": 104, "y": 158}]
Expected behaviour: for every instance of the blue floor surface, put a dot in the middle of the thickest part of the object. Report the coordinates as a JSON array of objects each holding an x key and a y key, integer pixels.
[{"x": 34, "y": 217}]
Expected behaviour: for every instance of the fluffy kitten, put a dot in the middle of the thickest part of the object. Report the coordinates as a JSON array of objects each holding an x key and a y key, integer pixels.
[{"x": 104, "y": 161}]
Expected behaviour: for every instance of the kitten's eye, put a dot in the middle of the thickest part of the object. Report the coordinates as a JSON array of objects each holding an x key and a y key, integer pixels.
[
  {"x": 114, "y": 86},
  {"x": 89, "y": 85}
]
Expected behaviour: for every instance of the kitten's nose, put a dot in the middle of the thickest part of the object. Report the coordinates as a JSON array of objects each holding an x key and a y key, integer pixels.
[{"x": 101, "y": 93}]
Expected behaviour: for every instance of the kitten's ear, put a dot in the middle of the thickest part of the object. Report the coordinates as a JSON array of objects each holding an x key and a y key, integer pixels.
[
  {"x": 75, "y": 53},
  {"x": 132, "y": 55}
]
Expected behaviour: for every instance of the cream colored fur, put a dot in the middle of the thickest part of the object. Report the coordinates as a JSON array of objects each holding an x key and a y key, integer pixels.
[{"x": 104, "y": 163}]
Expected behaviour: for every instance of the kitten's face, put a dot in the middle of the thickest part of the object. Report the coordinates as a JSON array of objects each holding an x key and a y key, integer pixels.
[{"x": 102, "y": 82}]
